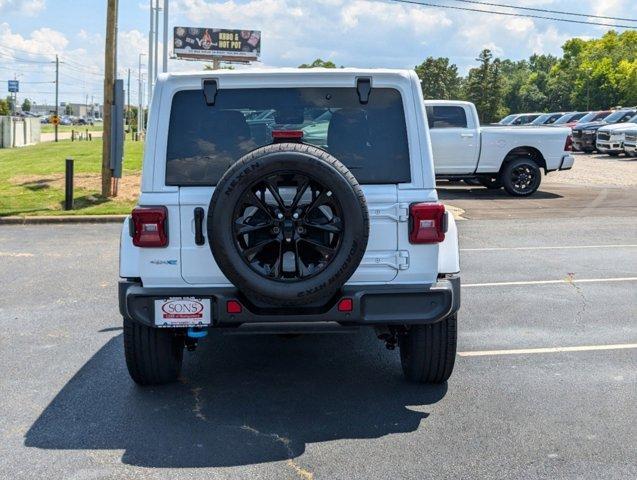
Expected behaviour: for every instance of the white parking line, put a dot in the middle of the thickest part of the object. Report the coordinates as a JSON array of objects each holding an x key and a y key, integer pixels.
[
  {"x": 524, "y": 351},
  {"x": 548, "y": 282},
  {"x": 564, "y": 247}
]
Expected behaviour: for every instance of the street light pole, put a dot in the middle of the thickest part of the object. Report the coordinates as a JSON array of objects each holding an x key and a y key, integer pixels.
[
  {"x": 165, "y": 66},
  {"x": 140, "y": 105},
  {"x": 57, "y": 102},
  {"x": 150, "y": 49},
  {"x": 156, "y": 50}
]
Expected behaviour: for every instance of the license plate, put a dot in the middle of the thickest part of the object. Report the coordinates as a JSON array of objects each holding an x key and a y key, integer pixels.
[{"x": 182, "y": 312}]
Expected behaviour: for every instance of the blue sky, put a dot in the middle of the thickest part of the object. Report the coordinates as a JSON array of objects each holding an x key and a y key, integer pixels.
[{"x": 366, "y": 33}]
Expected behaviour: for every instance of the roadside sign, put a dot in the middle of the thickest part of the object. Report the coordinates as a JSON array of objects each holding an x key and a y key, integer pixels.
[
  {"x": 14, "y": 86},
  {"x": 217, "y": 43},
  {"x": 55, "y": 120}
]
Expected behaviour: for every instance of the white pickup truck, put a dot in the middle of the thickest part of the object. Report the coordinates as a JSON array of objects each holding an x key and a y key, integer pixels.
[{"x": 509, "y": 157}]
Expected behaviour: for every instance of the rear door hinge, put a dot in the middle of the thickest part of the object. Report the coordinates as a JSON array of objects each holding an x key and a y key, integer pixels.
[
  {"x": 398, "y": 260},
  {"x": 399, "y": 212}
]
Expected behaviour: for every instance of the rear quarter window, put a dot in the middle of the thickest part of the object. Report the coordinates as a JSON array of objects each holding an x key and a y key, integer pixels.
[
  {"x": 446, "y": 117},
  {"x": 204, "y": 141}
]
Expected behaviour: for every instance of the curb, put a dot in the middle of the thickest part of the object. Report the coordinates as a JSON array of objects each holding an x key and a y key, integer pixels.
[{"x": 61, "y": 219}]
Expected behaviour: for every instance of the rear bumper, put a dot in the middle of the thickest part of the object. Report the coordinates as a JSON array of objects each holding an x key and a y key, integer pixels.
[
  {"x": 567, "y": 162},
  {"x": 372, "y": 305}
]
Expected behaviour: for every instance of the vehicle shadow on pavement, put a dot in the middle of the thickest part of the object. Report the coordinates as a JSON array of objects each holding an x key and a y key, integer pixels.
[
  {"x": 242, "y": 400},
  {"x": 480, "y": 193}
]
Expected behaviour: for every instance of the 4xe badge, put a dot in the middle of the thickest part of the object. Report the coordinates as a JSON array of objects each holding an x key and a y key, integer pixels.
[
  {"x": 164, "y": 262},
  {"x": 182, "y": 312}
]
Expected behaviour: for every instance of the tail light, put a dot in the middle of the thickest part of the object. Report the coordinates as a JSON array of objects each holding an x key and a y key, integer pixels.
[
  {"x": 427, "y": 223},
  {"x": 568, "y": 146},
  {"x": 149, "y": 227}
]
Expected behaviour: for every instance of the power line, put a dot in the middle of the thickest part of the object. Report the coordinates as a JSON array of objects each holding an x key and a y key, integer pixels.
[
  {"x": 559, "y": 12},
  {"x": 27, "y": 51},
  {"x": 21, "y": 60},
  {"x": 30, "y": 83},
  {"x": 510, "y": 14}
]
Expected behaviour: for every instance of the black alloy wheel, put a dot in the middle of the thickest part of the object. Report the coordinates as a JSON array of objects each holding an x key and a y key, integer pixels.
[
  {"x": 288, "y": 226},
  {"x": 521, "y": 176}
]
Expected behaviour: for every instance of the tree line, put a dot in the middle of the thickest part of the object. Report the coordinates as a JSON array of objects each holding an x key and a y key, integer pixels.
[{"x": 593, "y": 74}]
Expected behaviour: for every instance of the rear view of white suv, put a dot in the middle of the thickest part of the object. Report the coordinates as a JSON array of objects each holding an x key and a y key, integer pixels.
[{"x": 244, "y": 225}]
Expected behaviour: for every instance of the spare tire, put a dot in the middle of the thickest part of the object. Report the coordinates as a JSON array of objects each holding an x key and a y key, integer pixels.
[{"x": 288, "y": 224}]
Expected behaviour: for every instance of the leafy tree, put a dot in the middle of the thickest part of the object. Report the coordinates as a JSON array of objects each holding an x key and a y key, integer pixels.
[
  {"x": 5, "y": 108},
  {"x": 319, "y": 63},
  {"x": 439, "y": 79},
  {"x": 221, "y": 67},
  {"x": 26, "y": 105},
  {"x": 9, "y": 100},
  {"x": 68, "y": 110},
  {"x": 484, "y": 87}
]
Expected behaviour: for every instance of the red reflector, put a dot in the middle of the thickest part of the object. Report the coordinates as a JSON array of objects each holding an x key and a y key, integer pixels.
[
  {"x": 568, "y": 146},
  {"x": 346, "y": 305},
  {"x": 287, "y": 134},
  {"x": 149, "y": 227},
  {"x": 232, "y": 306},
  {"x": 427, "y": 223}
]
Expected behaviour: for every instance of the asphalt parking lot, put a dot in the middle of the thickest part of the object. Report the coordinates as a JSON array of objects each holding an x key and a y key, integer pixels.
[{"x": 551, "y": 272}]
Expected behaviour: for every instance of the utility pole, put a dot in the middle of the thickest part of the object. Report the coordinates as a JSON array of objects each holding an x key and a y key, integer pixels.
[
  {"x": 156, "y": 50},
  {"x": 57, "y": 91},
  {"x": 165, "y": 66},
  {"x": 110, "y": 69},
  {"x": 140, "y": 96},
  {"x": 128, "y": 122}
]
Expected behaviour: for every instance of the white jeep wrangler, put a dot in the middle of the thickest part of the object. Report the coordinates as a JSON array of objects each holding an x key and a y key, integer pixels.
[{"x": 288, "y": 201}]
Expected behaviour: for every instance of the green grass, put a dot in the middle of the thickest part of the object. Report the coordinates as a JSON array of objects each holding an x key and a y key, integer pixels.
[
  {"x": 31, "y": 178},
  {"x": 49, "y": 128}
]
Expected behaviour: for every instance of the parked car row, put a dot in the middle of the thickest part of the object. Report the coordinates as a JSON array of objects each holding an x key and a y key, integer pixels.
[
  {"x": 603, "y": 131},
  {"x": 70, "y": 120},
  {"x": 605, "y": 135}
]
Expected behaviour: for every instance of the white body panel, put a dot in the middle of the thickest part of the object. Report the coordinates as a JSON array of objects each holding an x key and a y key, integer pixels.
[
  {"x": 611, "y": 137},
  {"x": 455, "y": 152},
  {"x": 630, "y": 142},
  {"x": 389, "y": 258}
]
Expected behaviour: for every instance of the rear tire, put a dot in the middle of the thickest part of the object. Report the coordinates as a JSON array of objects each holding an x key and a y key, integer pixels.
[
  {"x": 428, "y": 352},
  {"x": 521, "y": 177},
  {"x": 153, "y": 355}
]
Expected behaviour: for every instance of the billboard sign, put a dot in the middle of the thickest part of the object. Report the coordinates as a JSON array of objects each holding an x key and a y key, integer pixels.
[
  {"x": 14, "y": 86},
  {"x": 217, "y": 43}
]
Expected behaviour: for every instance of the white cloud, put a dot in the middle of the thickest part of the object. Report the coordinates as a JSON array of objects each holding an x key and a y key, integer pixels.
[
  {"x": 349, "y": 32},
  {"x": 27, "y": 7}
]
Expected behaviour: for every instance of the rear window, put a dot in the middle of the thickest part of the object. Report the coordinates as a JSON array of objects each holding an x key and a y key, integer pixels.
[
  {"x": 446, "y": 117},
  {"x": 203, "y": 141}
]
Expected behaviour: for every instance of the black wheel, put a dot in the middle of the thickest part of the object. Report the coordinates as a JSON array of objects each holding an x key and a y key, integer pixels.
[
  {"x": 428, "y": 352},
  {"x": 288, "y": 224},
  {"x": 521, "y": 177},
  {"x": 153, "y": 355},
  {"x": 492, "y": 183}
]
